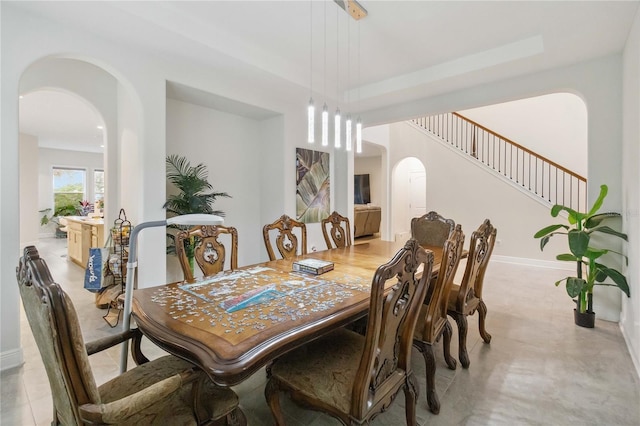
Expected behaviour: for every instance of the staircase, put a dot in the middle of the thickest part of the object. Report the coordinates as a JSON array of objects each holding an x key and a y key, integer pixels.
[{"x": 532, "y": 172}]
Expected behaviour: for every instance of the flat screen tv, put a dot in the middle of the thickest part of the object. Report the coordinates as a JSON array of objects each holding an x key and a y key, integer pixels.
[{"x": 361, "y": 191}]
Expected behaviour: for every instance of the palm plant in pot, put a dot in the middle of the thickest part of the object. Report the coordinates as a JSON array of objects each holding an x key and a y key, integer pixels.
[
  {"x": 195, "y": 195},
  {"x": 586, "y": 253}
]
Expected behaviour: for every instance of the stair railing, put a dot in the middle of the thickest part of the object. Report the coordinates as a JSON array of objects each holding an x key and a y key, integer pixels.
[{"x": 532, "y": 171}]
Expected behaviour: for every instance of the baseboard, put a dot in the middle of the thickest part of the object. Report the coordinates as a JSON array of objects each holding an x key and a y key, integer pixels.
[
  {"x": 627, "y": 341},
  {"x": 533, "y": 262},
  {"x": 11, "y": 359}
]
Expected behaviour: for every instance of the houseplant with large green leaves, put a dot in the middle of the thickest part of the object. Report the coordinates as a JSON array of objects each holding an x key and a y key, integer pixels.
[
  {"x": 195, "y": 195},
  {"x": 586, "y": 252}
]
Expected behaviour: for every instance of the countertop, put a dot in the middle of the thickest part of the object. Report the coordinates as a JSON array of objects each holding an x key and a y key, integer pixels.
[{"x": 85, "y": 219}]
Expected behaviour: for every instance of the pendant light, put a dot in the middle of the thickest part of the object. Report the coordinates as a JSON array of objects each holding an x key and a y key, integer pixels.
[
  {"x": 325, "y": 125},
  {"x": 336, "y": 118},
  {"x": 325, "y": 109},
  {"x": 358, "y": 121},
  {"x": 347, "y": 123},
  {"x": 311, "y": 111},
  {"x": 357, "y": 12}
]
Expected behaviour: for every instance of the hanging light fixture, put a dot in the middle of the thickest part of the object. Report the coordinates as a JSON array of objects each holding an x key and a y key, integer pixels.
[
  {"x": 310, "y": 122},
  {"x": 358, "y": 121},
  {"x": 337, "y": 128},
  {"x": 311, "y": 111},
  {"x": 347, "y": 123},
  {"x": 347, "y": 131},
  {"x": 357, "y": 12},
  {"x": 325, "y": 125},
  {"x": 358, "y": 136},
  {"x": 325, "y": 109},
  {"x": 336, "y": 118}
]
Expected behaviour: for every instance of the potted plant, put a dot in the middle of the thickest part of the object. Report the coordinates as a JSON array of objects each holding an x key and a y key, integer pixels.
[
  {"x": 590, "y": 269},
  {"x": 65, "y": 210},
  {"x": 196, "y": 195}
]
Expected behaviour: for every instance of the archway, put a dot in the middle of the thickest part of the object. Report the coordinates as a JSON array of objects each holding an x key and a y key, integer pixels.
[
  {"x": 61, "y": 134},
  {"x": 373, "y": 162}
]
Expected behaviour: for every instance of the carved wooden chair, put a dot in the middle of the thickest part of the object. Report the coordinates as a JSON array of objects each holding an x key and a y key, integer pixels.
[
  {"x": 431, "y": 229},
  {"x": 432, "y": 320},
  {"x": 286, "y": 240},
  {"x": 354, "y": 377},
  {"x": 466, "y": 297},
  {"x": 167, "y": 390},
  {"x": 339, "y": 233},
  {"x": 209, "y": 252}
]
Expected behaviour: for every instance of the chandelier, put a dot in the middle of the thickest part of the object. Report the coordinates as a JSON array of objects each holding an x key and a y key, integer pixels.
[{"x": 357, "y": 12}]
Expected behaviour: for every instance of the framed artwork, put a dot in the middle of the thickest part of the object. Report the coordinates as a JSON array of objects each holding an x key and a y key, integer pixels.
[{"x": 312, "y": 185}]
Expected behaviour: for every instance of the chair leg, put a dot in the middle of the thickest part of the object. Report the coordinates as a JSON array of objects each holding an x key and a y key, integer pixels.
[
  {"x": 410, "y": 398},
  {"x": 430, "y": 364},
  {"x": 271, "y": 393},
  {"x": 236, "y": 418},
  {"x": 482, "y": 314},
  {"x": 446, "y": 344},
  {"x": 461, "y": 322}
]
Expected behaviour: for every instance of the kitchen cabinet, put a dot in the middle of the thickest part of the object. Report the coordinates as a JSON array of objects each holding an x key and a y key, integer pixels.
[{"x": 82, "y": 234}]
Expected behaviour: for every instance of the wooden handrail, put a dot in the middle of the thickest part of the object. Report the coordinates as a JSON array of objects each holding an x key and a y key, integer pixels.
[
  {"x": 533, "y": 172},
  {"x": 517, "y": 145}
]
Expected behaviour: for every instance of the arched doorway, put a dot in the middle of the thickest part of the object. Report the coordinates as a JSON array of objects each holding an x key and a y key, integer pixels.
[
  {"x": 62, "y": 137},
  {"x": 100, "y": 90}
]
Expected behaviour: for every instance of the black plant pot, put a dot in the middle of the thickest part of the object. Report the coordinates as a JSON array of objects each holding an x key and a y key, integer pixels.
[{"x": 584, "y": 319}]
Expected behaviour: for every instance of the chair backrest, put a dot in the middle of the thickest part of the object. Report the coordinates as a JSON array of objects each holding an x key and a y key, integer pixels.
[
  {"x": 386, "y": 357},
  {"x": 438, "y": 295},
  {"x": 339, "y": 235},
  {"x": 431, "y": 229},
  {"x": 480, "y": 248},
  {"x": 54, "y": 323},
  {"x": 209, "y": 252},
  {"x": 286, "y": 240}
]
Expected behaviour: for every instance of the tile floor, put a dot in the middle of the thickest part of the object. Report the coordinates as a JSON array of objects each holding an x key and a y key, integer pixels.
[{"x": 540, "y": 369}]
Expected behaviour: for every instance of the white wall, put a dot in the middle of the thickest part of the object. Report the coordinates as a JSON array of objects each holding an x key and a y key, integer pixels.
[
  {"x": 27, "y": 38},
  {"x": 223, "y": 142},
  {"x": 98, "y": 89},
  {"x": 30, "y": 218},
  {"x": 543, "y": 124},
  {"x": 471, "y": 194},
  {"x": 379, "y": 135},
  {"x": 630, "y": 315},
  {"x": 141, "y": 134},
  {"x": 597, "y": 81}
]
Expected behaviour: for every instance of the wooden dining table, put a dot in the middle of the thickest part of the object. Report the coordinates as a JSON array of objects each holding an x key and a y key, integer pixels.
[{"x": 236, "y": 322}]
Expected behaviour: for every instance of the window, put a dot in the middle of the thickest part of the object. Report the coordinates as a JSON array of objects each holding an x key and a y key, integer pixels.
[
  {"x": 68, "y": 190},
  {"x": 98, "y": 185}
]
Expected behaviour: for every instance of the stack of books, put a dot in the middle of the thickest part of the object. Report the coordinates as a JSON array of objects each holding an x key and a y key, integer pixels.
[{"x": 312, "y": 266}]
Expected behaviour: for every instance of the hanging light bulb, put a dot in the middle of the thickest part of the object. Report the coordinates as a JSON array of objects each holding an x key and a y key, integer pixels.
[
  {"x": 358, "y": 136},
  {"x": 337, "y": 128},
  {"x": 311, "y": 111},
  {"x": 311, "y": 121},
  {"x": 325, "y": 125},
  {"x": 347, "y": 135}
]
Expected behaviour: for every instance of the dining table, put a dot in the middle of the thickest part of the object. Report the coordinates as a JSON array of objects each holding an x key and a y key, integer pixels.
[{"x": 236, "y": 322}]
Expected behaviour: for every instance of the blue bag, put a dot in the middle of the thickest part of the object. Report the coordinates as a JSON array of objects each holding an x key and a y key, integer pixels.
[{"x": 97, "y": 275}]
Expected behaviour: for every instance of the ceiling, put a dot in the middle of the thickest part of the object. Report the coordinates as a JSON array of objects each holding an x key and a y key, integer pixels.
[{"x": 402, "y": 51}]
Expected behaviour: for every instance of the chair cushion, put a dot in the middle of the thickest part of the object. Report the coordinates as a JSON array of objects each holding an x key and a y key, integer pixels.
[
  {"x": 174, "y": 410},
  {"x": 324, "y": 369}
]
